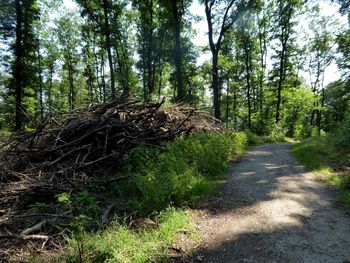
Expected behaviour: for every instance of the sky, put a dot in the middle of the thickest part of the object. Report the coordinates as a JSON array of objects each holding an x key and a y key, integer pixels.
[{"x": 327, "y": 9}]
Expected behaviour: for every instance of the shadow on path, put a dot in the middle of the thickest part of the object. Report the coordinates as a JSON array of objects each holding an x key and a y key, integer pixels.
[{"x": 272, "y": 210}]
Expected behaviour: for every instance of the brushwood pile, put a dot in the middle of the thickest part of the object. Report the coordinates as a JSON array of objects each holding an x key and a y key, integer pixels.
[{"x": 84, "y": 146}]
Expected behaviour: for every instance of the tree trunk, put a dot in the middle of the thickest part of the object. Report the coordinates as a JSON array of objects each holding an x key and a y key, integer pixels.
[
  {"x": 216, "y": 86},
  {"x": 41, "y": 99},
  {"x": 178, "y": 52},
  {"x": 235, "y": 108},
  {"x": 279, "y": 88},
  {"x": 103, "y": 77},
  {"x": 71, "y": 85},
  {"x": 160, "y": 82},
  {"x": 49, "y": 91},
  {"x": 247, "y": 66},
  {"x": 109, "y": 47},
  {"x": 19, "y": 53},
  {"x": 100, "y": 97},
  {"x": 227, "y": 103}
]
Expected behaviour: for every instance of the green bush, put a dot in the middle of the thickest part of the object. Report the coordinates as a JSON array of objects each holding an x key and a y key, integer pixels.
[
  {"x": 186, "y": 171},
  {"x": 341, "y": 135},
  {"x": 278, "y": 134}
]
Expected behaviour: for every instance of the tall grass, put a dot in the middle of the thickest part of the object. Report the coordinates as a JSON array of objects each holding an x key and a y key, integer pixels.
[
  {"x": 120, "y": 244},
  {"x": 328, "y": 159}
]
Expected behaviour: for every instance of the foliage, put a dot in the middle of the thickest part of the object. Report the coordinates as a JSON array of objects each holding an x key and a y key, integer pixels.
[
  {"x": 186, "y": 171},
  {"x": 120, "y": 244},
  {"x": 325, "y": 157},
  {"x": 84, "y": 208}
]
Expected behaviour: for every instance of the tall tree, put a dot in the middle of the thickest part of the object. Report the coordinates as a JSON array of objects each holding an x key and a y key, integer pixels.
[
  {"x": 263, "y": 27},
  {"x": 17, "y": 22},
  {"x": 146, "y": 25},
  {"x": 284, "y": 13},
  {"x": 69, "y": 37},
  {"x": 100, "y": 14},
  {"x": 176, "y": 7},
  {"x": 217, "y": 28},
  {"x": 321, "y": 55}
]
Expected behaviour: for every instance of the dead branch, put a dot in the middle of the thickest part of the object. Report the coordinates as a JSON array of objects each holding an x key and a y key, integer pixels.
[{"x": 34, "y": 228}]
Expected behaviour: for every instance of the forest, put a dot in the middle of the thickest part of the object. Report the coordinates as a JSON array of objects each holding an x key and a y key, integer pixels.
[
  {"x": 261, "y": 74},
  {"x": 135, "y": 108}
]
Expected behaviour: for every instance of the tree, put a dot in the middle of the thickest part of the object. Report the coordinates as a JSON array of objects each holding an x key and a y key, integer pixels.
[
  {"x": 321, "y": 55},
  {"x": 100, "y": 13},
  {"x": 216, "y": 33},
  {"x": 264, "y": 19},
  {"x": 147, "y": 48},
  {"x": 69, "y": 37},
  {"x": 247, "y": 46},
  {"x": 284, "y": 13},
  {"x": 17, "y": 22}
]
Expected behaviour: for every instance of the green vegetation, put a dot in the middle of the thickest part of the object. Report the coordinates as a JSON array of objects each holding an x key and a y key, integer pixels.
[
  {"x": 183, "y": 173},
  {"x": 180, "y": 175},
  {"x": 329, "y": 157},
  {"x": 56, "y": 58},
  {"x": 118, "y": 243}
]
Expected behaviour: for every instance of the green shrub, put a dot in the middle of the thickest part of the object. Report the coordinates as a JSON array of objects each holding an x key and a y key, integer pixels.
[
  {"x": 253, "y": 139},
  {"x": 186, "y": 171},
  {"x": 341, "y": 135},
  {"x": 278, "y": 133}
]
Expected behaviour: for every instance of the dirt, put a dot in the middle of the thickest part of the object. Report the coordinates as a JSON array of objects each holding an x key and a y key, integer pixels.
[{"x": 272, "y": 210}]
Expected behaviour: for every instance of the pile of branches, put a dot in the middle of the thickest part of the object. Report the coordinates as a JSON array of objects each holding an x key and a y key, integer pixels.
[{"x": 88, "y": 145}]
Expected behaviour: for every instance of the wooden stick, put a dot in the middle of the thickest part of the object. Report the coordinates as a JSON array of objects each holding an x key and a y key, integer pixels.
[
  {"x": 25, "y": 237},
  {"x": 34, "y": 228}
]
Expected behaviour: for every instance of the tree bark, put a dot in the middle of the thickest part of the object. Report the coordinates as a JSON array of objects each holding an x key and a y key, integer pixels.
[
  {"x": 178, "y": 52},
  {"x": 216, "y": 86},
  {"x": 227, "y": 103},
  {"x": 215, "y": 48},
  {"x": 41, "y": 99},
  {"x": 109, "y": 47},
  {"x": 279, "y": 87},
  {"x": 247, "y": 66},
  {"x": 19, "y": 53}
]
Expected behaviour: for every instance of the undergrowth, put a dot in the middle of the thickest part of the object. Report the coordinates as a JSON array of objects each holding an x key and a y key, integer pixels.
[
  {"x": 180, "y": 175},
  {"x": 329, "y": 160},
  {"x": 118, "y": 243}
]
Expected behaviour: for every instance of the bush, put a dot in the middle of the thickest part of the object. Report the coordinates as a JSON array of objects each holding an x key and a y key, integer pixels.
[
  {"x": 278, "y": 133},
  {"x": 186, "y": 171},
  {"x": 341, "y": 135}
]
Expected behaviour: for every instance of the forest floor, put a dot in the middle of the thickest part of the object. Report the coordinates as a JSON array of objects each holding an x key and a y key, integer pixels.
[{"x": 272, "y": 210}]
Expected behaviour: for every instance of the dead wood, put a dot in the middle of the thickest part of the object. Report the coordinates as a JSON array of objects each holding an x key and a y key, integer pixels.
[
  {"x": 84, "y": 147},
  {"x": 25, "y": 237}
]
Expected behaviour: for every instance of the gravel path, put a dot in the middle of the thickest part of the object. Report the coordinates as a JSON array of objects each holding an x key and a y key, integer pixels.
[{"x": 272, "y": 210}]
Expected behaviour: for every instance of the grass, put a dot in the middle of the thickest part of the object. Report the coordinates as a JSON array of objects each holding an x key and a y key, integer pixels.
[
  {"x": 118, "y": 243},
  {"x": 327, "y": 160},
  {"x": 164, "y": 184}
]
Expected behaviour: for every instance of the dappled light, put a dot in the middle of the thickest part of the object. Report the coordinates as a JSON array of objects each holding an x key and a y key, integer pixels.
[
  {"x": 141, "y": 131},
  {"x": 272, "y": 210}
]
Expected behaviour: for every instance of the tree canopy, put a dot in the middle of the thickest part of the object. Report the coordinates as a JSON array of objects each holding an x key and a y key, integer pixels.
[{"x": 262, "y": 74}]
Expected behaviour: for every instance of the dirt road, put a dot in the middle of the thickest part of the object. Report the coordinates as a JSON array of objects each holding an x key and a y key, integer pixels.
[{"x": 272, "y": 210}]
